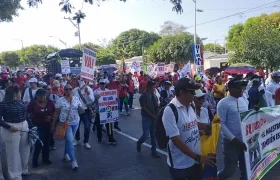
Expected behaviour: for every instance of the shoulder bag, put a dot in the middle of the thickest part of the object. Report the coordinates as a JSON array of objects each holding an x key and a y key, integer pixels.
[
  {"x": 91, "y": 107},
  {"x": 61, "y": 127}
]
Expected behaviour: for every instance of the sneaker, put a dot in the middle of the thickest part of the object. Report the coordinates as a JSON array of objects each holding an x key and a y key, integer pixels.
[
  {"x": 76, "y": 142},
  {"x": 112, "y": 141},
  {"x": 131, "y": 108},
  {"x": 66, "y": 158},
  {"x": 138, "y": 147},
  {"x": 117, "y": 128},
  {"x": 121, "y": 113},
  {"x": 127, "y": 114},
  {"x": 53, "y": 148},
  {"x": 74, "y": 165},
  {"x": 99, "y": 141},
  {"x": 47, "y": 162},
  {"x": 87, "y": 146}
]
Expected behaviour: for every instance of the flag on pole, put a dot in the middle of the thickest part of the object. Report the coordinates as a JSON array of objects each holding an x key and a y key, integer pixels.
[{"x": 122, "y": 66}]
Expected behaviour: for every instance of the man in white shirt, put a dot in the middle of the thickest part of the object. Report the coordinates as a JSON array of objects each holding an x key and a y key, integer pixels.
[
  {"x": 184, "y": 157},
  {"x": 229, "y": 110},
  {"x": 274, "y": 83},
  {"x": 86, "y": 96},
  {"x": 29, "y": 93}
]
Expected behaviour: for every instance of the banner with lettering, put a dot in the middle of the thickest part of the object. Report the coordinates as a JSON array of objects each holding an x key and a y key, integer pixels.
[
  {"x": 197, "y": 53},
  {"x": 88, "y": 63},
  {"x": 261, "y": 133},
  {"x": 108, "y": 106},
  {"x": 160, "y": 69},
  {"x": 152, "y": 70},
  {"x": 65, "y": 67}
]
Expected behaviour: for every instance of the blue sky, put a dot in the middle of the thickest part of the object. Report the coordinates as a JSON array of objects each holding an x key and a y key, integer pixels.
[{"x": 35, "y": 25}]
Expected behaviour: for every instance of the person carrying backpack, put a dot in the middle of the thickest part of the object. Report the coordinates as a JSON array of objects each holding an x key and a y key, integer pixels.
[{"x": 180, "y": 124}]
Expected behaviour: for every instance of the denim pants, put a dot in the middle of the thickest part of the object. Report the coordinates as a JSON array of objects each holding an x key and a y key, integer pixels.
[
  {"x": 121, "y": 105},
  {"x": 69, "y": 141},
  {"x": 109, "y": 128},
  {"x": 85, "y": 118},
  {"x": 232, "y": 155},
  {"x": 44, "y": 133},
  {"x": 192, "y": 173},
  {"x": 149, "y": 127},
  {"x": 130, "y": 99}
]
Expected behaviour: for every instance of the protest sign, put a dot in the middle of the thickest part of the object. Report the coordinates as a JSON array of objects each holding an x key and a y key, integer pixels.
[
  {"x": 261, "y": 134},
  {"x": 65, "y": 67},
  {"x": 160, "y": 69},
  {"x": 152, "y": 70},
  {"x": 108, "y": 106},
  {"x": 88, "y": 63},
  {"x": 185, "y": 70},
  {"x": 197, "y": 54},
  {"x": 3, "y": 68}
]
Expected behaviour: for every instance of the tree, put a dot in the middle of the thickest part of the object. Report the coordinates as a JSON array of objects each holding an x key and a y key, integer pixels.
[
  {"x": 10, "y": 8},
  {"x": 104, "y": 55},
  {"x": 170, "y": 28},
  {"x": 216, "y": 48},
  {"x": 35, "y": 55},
  {"x": 130, "y": 43},
  {"x": 257, "y": 41},
  {"x": 172, "y": 48},
  {"x": 10, "y": 58}
]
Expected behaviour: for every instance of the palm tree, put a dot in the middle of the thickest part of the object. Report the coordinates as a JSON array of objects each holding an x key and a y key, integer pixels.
[{"x": 78, "y": 18}]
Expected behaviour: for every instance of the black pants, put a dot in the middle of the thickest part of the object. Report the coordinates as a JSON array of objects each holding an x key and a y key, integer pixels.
[
  {"x": 85, "y": 118},
  {"x": 109, "y": 128},
  {"x": 192, "y": 173},
  {"x": 52, "y": 140},
  {"x": 45, "y": 136},
  {"x": 130, "y": 99}
]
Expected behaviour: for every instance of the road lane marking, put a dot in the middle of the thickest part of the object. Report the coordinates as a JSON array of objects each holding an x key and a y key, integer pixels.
[{"x": 145, "y": 144}]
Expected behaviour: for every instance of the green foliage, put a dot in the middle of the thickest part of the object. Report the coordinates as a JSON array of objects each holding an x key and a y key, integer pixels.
[
  {"x": 10, "y": 58},
  {"x": 129, "y": 43},
  {"x": 170, "y": 28},
  {"x": 172, "y": 48},
  {"x": 104, "y": 55},
  {"x": 216, "y": 48},
  {"x": 256, "y": 42},
  {"x": 10, "y": 8}
]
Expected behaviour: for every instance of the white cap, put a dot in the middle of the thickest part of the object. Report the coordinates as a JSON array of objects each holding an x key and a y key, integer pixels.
[
  {"x": 33, "y": 80},
  {"x": 199, "y": 93}
]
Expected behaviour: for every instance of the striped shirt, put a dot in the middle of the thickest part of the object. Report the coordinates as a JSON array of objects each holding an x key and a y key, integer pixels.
[{"x": 12, "y": 112}]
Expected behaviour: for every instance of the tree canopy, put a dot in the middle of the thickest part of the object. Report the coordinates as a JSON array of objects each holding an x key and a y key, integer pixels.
[
  {"x": 10, "y": 8},
  {"x": 256, "y": 41},
  {"x": 170, "y": 28},
  {"x": 215, "y": 48},
  {"x": 176, "y": 48},
  {"x": 130, "y": 43}
]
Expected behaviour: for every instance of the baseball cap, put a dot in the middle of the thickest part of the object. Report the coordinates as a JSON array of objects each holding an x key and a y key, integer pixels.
[
  {"x": 197, "y": 78},
  {"x": 276, "y": 74},
  {"x": 199, "y": 93},
  {"x": 150, "y": 83},
  {"x": 186, "y": 84},
  {"x": 237, "y": 82},
  {"x": 102, "y": 81},
  {"x": 33, "y": 80}
]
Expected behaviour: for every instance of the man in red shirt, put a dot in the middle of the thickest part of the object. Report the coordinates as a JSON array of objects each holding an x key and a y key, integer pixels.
[
  {"x": 113, "y": 85},
  {"x": 142, "y": 84},
  {"x": 141, "y": 77}
]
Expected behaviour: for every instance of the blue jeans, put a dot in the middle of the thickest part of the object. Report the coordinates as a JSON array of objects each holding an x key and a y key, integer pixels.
[
  {"x": 121, "y": 105},
  {"x": 232, "y": 155},
  {"x": 69, "y": 141},
  {"x": 85, "y": 118},
  {"x": 149, "y": 127}
]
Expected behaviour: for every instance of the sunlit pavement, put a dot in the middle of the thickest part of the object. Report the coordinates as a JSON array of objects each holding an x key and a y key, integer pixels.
[{"x": 120, "y": 162}]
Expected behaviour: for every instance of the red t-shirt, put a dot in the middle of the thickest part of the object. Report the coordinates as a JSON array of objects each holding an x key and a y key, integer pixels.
[
  {"x": 58, "y": 91},
  {"x": 131, "y": 86},
  {"x": 277, "y": 94},
  {"x": 142, "y": 85},
  {"x": 123, "y": 91},
  {"x": 113, "y": 85},
  {"x": 41, "y": 116}
]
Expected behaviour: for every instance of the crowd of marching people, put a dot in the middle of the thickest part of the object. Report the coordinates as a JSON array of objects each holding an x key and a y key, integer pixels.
[{"x": 188, "y": 104}]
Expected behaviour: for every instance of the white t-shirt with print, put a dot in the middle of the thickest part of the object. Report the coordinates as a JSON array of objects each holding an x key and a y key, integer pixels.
[
  {"x": 64, "y": 107},
  {"x": 26, "y": 96},
  {"x": 186, "y": 128},
  {"x": 204, "y": 116}
]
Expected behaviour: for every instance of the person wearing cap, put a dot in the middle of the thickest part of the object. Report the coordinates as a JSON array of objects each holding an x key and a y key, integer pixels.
[
  {"x": 255, "y": 94},
  {"x": 184, "y": 143},
  {"x": 229, "y": 109},
  {"x": 109, "y": 126},
  {"x": 274, "y": 83},
  {"x": 86, "y": 96},
  {"x": 57, "y": 88},
  {"x": 164, "y": 93},
  {"x": 149, "y": 111},
  {"x": 201, "y": 112},
  {"x": 29, "y": 93}
]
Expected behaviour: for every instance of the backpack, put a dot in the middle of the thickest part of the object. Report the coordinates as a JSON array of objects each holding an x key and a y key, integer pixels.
[{"x": 162, "y": 139}]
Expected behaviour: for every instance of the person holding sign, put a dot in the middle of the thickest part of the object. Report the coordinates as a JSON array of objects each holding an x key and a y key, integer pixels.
[
  {"x": 229, "y": 110},
  {"x": 108, "y": 126}
]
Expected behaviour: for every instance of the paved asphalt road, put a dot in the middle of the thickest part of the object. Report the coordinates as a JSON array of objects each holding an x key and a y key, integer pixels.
[{"x": 120, "y": 162}]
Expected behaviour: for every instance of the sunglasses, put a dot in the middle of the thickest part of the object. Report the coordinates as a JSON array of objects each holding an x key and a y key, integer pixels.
[
  {"x": 192, "y": 92},
  {"x": 68, "y": 89},
  {"x": 201, "y": 99}
]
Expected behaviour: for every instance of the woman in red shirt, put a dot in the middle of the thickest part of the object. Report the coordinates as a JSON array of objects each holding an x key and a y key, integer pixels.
[
  {"x": 41, "y": 111},
  {"x": 123, "y": 92}
]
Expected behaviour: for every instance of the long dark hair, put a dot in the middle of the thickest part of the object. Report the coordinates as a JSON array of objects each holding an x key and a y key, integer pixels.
[{"x": 10, "y": 93}]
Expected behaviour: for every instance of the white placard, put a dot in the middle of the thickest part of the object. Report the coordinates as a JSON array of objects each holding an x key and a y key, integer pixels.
[
  {"x": 160, "y": 69},
  {"x": 88, "y": 63},
  {"x": 65, "y": 67},
  {"x": 108, "y": 106}
]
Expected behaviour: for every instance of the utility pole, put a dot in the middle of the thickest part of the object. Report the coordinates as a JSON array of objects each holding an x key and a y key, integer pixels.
[{"x": 78, "y": 32}]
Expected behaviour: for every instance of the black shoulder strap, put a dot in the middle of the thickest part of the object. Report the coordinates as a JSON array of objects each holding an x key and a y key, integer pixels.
[
  {"x": 53, "y": 96},
  {"x": 82, "y": 97},
  {"x": 30, "y": 94},
  {"x": 174, "y": 110}
]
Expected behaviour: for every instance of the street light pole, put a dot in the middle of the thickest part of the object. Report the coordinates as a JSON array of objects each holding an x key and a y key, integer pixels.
[
  {"x": 79, "y": 32},
  {"x": 194, "y": 36},
  {"x": 63, "y": 42}
]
